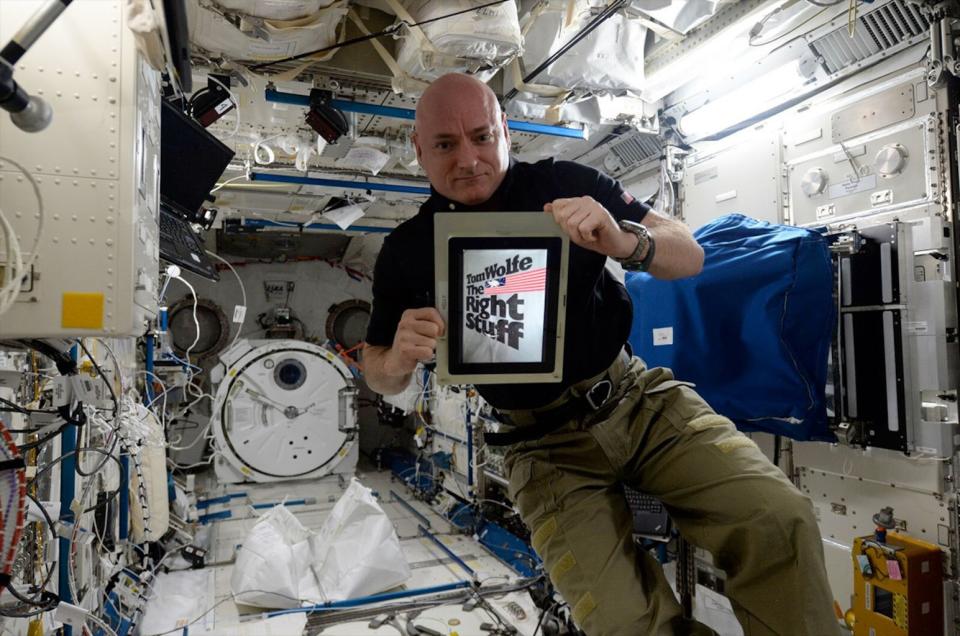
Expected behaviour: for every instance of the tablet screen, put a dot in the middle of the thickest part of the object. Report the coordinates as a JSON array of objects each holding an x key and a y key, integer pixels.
[
  {"x": 503, "y": 305},
  {"x": 504, "y": 297}
]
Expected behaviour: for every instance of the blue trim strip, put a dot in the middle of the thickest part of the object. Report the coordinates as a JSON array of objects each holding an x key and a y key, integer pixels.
[
  {"x": 469, "y": 452},
  {"x": 339, "y": 183},
  {"x": 546, "y": 129},
  {"x": 215, "y": 516},
  {"x": 206, "y": 503},
  {"x": 375, "y": 598},
  {"x": 293, "y": 502},
  {"x": 347, "y": 106},
  {"x": 68, "y": 485},
  {"x": 124, "y": 514},
  {"x": 450, "y": 553},
  {"x": 403, "y": 502}
]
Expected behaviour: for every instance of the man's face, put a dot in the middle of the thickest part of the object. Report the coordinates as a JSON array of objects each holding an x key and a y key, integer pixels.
[{"x": 463, "y": 146}]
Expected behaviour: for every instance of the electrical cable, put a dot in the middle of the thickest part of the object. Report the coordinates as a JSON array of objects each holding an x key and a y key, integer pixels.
[
  {"x": 231, "y": 597},
  {"x": 13, "y": 496},
  {"x": 587, "y": 29},
  {"x": 116, "y": 364},
  {"x": 392, "y": 29},
  {"x": 193, "y": 293},
  {"x": 243, "y": 292},
  {"x": 16, "y": 267},
  {"x": 224, "y": 184},
  {"x": 752, "y": 40},
  {"x": 543, "y": 614},
  {"x": 89, "y": 449},
  {"x": 46, "y": 438},
  {"x": 116, "y": 414},
  {"x": 64, "y": 363},
  {"x": 14, "y": 407}
]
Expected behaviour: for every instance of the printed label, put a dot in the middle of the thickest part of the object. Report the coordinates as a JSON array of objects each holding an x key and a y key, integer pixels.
[
  {"x": 849, "y": 186},
  {"x": 662, "y": 336}
]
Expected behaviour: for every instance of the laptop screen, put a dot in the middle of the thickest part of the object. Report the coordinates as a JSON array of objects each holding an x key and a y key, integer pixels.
[{"x": 191, "y": 160}]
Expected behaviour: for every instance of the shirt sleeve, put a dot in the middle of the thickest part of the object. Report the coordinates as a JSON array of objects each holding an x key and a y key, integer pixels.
[
  {"x": 609, "y": 192},
  {"x": 388, "y": 299}
]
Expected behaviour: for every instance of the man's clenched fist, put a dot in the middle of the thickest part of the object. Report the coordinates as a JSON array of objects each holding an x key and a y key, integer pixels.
[
  {"x": 591, "y": 226},
  {"x": 415, "y": 340}
]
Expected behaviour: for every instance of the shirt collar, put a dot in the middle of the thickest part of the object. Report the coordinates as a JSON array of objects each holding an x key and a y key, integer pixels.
[{"x": 439, "y": 203}]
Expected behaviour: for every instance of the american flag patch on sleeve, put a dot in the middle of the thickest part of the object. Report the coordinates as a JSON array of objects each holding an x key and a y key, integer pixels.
[{"x": 627, "y": 197}]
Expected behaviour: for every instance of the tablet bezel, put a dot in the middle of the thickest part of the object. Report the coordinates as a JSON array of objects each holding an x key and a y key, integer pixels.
[{"x": 459, "y": 231}]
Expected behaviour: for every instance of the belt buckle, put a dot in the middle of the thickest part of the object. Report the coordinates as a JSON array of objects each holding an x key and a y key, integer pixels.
[{"x": 606, "y": 386}]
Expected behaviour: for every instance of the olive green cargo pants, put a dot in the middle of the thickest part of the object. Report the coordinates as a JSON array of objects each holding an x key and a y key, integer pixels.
[{"x": 661, "y": 438}]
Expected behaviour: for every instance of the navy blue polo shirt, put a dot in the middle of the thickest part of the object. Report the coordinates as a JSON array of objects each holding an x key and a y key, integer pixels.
[{"x": 599, "y": 312}]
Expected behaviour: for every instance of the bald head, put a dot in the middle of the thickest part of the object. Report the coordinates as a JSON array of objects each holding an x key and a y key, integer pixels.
[
  {"x": 461, "y": 138},
  {"x": 453, "y": 92}
]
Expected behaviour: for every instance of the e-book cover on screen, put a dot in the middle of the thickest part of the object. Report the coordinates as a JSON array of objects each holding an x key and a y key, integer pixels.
[{"x": 504, "y": 304}]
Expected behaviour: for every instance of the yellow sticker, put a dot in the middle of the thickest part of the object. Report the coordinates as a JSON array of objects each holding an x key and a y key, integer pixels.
[
  {"x": 81, "y": 310},
  {"x": 583, "y": 608},
  {"x": 564, "y": 565},
  {"x": 740, "y": 441},
  {"x": 543, "y": 533},
  {"x": 707, "y": 421}
]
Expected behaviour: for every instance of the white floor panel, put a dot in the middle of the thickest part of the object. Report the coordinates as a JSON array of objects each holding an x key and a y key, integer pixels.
[{"x": 430, "y": 565}]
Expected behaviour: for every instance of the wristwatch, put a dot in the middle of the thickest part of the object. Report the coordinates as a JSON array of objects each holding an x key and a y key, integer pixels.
[{"x": 633, "y": 262}]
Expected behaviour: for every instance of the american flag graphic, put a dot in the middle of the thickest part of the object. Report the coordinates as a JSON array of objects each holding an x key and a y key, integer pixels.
[{"x": 532, "y": 280}]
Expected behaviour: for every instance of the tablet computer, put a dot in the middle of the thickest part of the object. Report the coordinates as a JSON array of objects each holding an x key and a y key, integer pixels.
[{"x": 501, "y": 287}]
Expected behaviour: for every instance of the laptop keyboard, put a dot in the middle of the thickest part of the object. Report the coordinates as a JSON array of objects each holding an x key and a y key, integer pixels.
[
  {"x": 179, "y": 232},
  {"x": 639, "y": 502}
]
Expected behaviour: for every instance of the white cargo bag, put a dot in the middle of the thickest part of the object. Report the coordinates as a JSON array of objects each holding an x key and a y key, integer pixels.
[
  {"x": 358, "y": 548},
  {"x": 488, "y": 38},
  {"x": 610, "y": 58},
  {"x": 262, "y": 39},
  {"x": 270, "y": 560},
  {"x": 355, "y": 553},
  {"x": 275, "y": 9},
  {"x": 679, "y": 16},
  {"x": 144, "y": 439}
]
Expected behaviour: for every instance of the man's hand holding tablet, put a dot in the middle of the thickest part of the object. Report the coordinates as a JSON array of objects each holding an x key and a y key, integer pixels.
[{"x": 415, "y": 340}]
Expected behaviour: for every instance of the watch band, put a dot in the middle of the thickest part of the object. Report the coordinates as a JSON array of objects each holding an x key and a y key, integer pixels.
[
  {"x": 633, "y": 262},
  {"x": 648, "y": 259}
]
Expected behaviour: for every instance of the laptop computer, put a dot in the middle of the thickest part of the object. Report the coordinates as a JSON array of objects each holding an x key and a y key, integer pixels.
[
  {"x": 191, "y": 161},
  {"x": 650, "y": 517}
]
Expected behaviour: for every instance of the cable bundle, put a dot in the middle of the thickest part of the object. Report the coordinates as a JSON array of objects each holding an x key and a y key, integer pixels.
[
  {"x": 13, "y": 496},
  {"x": 17, "y": 267}
]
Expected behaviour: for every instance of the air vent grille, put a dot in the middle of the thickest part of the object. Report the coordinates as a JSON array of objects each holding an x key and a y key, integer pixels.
[
  {"x": 635, "y": 149},
  {"x": 893, "y": 24}
]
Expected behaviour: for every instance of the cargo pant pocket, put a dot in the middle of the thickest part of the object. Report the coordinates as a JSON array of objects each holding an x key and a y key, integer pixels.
[{"x": 529, "y": 486}]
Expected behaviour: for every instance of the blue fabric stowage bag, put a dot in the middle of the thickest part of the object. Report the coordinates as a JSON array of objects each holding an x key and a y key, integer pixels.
[{"x": 752, "y": 330}]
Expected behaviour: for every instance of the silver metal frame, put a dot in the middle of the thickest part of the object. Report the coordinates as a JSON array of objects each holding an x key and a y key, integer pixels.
[{"x": 503, "y": 225}]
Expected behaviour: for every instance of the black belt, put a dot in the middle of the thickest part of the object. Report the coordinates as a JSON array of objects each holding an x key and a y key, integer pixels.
[{"x": 597, "y": 393}]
